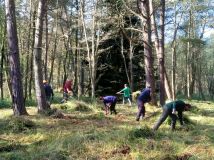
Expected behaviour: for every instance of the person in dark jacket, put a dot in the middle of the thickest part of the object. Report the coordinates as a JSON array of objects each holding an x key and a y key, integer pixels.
[
  {"x": 109, "y": 103},
  {"x": 143, "y": 98},
  {"x": 48, "y": 91},
  {"x": 170, "y": 109}
]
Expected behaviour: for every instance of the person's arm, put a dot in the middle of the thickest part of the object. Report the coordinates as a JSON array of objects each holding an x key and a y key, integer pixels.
[
  {"x": 107, "y": 106},
  {"x": 180, "y": 117},
  {"x": 121, "y": 91}
]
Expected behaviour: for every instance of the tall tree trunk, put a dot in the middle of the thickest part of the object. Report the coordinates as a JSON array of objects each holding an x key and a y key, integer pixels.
[
  {"x": 188, "y": 70},
  {"x": 131, "y": 52},
  {"x": 124, "y": 58},
  {"x": 174, "y": 57},
  {"x": 27, "y": 69},
  {"x": 76, "y": 50},
  {"x": 7, "y": 72},
  {"x": 46, "y": 47},
  {"x": 40, "y": 93},
  {"x": 168, "y": 88},
  {"x": 79, "y": 75},
  {"x": 3, "y": 32},
  {"x": 173, "y": 70},
  {"x": 1, "y": 70},
  {"x": 93, "y": 54},
  {"x": 148, "y": 56},
  {"x": 59, "y": 73},
  {"x": 159, "y": 46},
  {"x": 53, "y": 56},
  {"x": 89, "y": 54},
  {"x": 15, "y": 73},
  {"x": 161, "y": 54},
  {"x": 31, "y": 55}
]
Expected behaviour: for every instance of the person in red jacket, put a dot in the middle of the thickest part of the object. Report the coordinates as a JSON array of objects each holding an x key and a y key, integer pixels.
[{"x": 67, "y": 90}]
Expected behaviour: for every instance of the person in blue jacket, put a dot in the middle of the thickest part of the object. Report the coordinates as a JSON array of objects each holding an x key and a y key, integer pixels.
[
  {"x": 109, "y": 103},
  {"x": 143, "y": 98},
  {"x": 170, "y": 109}
]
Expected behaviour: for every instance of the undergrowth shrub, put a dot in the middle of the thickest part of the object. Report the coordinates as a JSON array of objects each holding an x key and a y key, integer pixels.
[
  {"x": 30, "y": 102},
  {"x": 5, "y": 104},
  {"x": 10, "y": 147},
  {"x": 63, "y": 107},
  {"x": 82, "y": 107},
  {"x": 194, "y": 109},
  {"x": 143, "y": 132},
  {"x": 13, "y": 156},
  {"x": 19, "y": 124}
]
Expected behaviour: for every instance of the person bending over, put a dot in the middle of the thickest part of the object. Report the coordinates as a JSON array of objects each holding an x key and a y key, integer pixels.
[
  {"x": 143, "y": 98},
  {"x": 170, "y": 109},
  {"x": 109, "y": 104}
]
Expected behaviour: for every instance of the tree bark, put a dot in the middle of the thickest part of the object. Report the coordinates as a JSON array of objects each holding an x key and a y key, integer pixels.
[
  {"x": 159, "y": 46},
  {"x": 32, "y": 55},
  {"x": 1, "y": 71},
  {"x": 15, "y": 72},
  {"x": 148, "y": 56},
  {"x": 46, "y": 47},
  {"x": 27, "y": 69},
  {"x": 40, "y": 93},
  {"x": 124, "y": 58},
  {"x": 2, "y": 62}
]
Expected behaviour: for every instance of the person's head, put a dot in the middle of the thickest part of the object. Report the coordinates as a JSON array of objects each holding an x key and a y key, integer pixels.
[
  {"x": 187, "y": 107},
  {"x": 125, "y": 85},
  {"x": 101, "y": 98},
  {"x": 44, "y": 82}
]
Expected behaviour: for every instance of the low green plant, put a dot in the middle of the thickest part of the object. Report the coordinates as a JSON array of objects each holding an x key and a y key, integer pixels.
[
  {"x": 195, "y": 109},
  {"x": 10, "y": 147},
  {"x": 5, "y": 103},
  {"x": 82, "y": 107},
  {"x": 19, "y": 124},
  {"x": 143, "y": 132}
]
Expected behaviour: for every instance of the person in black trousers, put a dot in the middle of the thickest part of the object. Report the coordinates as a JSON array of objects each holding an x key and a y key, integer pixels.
[
  {"x": 48, "y": 92},
  {"x": 109, "y": 103},
  {"x": 170, "y": 109},
  {"x": 143, "y": 98}
]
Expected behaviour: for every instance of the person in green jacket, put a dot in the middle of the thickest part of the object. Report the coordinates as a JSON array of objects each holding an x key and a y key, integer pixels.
[
  {"x": 170, "y": 109},
  {"x": 126, "y": 94}
]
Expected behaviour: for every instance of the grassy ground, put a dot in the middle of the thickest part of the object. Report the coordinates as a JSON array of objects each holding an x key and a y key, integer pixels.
[{"x": 86, "y": 133}]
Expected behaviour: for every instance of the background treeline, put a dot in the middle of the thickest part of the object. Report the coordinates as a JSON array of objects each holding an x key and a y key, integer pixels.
[{"x": 102, "y": 44}]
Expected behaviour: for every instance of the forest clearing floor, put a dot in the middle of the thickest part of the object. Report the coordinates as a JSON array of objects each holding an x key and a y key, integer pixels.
[{"x": 86, "y": 133}]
